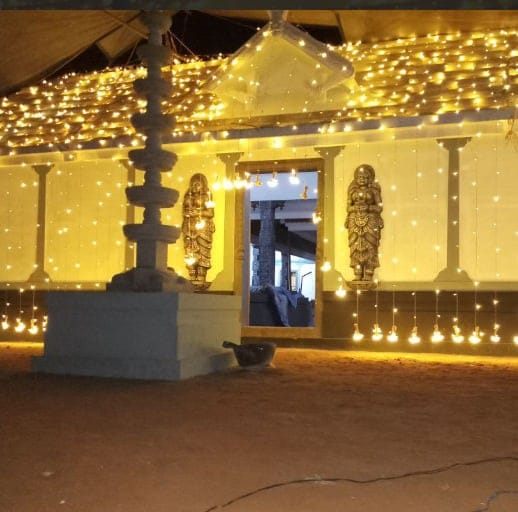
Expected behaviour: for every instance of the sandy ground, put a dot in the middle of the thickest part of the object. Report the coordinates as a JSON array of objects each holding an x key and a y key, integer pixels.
[{"x": 322, "y": 432}]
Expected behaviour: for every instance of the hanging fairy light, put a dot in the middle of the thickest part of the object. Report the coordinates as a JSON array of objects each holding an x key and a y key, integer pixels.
[
  {"x": 437, "y": 335},
  {"x": 210, "y": 203},
  {"x": 5, "y": 318},
  {"x": 217, "y": 184},
  {"x": 476, "y": 336},
  {"x": 44, "y": 323},
  {"x": 377, "y": 333},
  {"x": 392, "y": 335},
  {"x": 294, "y": 177},
  {"x": 304, "y": 194},
  {"x": 273, "y": 181},
  {"x": 316, "y": 217},
  {"x": 357, "y": 335},
  {"x": 414, "y": 337},
  {"x": 495, "y": 337},
  {"x": 258, "y": 182},
  {"x": 20, "y": 324},
  {"x": 228, "y": 184},
  {"x": 341, "y": 292},
  {"x": 456, "y": 336},
  {"x": 239, "y": 182},
  {"x": 33, "y": 326},
  {"x": 326, "y": 266}
]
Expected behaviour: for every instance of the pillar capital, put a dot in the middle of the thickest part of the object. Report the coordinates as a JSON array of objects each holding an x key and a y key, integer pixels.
[
  {"x": 230, "y": 159},
  {"x": 453, "y": 143},
  {"x": 329, "y": 151},
  {"x": 42, "y": 169}
]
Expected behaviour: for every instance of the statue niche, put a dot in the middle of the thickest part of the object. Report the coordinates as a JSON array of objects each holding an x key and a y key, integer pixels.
[
  {"x": 364, "y": 224},
  {"x": 197, "y": 230}
]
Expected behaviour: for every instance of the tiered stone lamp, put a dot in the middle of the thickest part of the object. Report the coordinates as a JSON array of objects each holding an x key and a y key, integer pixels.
[
  {"x": 152, "y": 237},
  {"x": 148, "y": 325}
]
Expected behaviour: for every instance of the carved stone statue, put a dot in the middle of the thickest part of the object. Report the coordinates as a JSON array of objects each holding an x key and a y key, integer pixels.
[
  {"x": 197, "y": 229},
  {"x": 364, "y": 224}
]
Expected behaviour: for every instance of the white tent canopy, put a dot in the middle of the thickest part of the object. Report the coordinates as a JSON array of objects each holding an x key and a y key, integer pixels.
[{"x": 35, "y": 43}]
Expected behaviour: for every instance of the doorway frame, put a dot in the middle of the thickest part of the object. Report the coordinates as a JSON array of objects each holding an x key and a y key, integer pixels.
[{"x": 242, "y": 245}]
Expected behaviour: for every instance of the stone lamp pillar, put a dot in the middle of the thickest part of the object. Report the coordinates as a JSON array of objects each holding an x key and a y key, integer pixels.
[
  {"x": 169, "y": 335},
  {"x": 151, "y": 273}
]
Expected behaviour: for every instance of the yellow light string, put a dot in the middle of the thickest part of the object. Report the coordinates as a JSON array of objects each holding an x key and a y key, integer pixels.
[
  {"x": 5, "y": 317},
  {"x": 414, "y": 337},
  {"x": 456, "y": 335},
  {"x": 495, "y": 337},
  {"x": 357, "y": 335},
  {"x": 476, "y": 336},
  {"x": 33, "y": 327},
  {"x": 392, "y": 335},
  {"x": 437, "y": 336},
  {"x": 20, "y": 324},
  {"x": 377, "y": 333}
]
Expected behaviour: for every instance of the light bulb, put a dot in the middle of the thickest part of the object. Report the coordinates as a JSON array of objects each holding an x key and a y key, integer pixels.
[
  {"x": 239, "y": 183},
  {"x": 437, "y": 335},
  {"x": 294, "y": 177},
  {"x": 44, "y": 323},
  {"x": 258, "y": 182},
  {"x": 200, "y": 224},
  {"x": 216, "y": 185},
  {"x": 210, "y": 204},
  {"x": 227, "y": 184},
  {"x": 33, "y": 328},
  {"x": 5, "y": 323},
  {"x": 190, "y": 260},
  {"x": 457, "y": 337},
  {"x": 392, "y": 336},
  {"x": 515, "y": 340},
  {"x": 304, "y": 193},
  {"x": 273, "y": 181},
  {"x": 495, "y": 338},
  {"x": 316, "y": 217},
  {"x": 326, "y": 266},
  {"x": 476, "y": 336},
  {"x": 341, "y": 292},
  {"x": 20, "y": 326},
  {"x": 357, "y": 335},
  {"x": 377, "y": 333},
  {"x": 414, "y": 338}
]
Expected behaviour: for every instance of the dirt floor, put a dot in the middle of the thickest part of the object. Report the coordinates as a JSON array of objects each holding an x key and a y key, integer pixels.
[{"x": 322, "y": 432}]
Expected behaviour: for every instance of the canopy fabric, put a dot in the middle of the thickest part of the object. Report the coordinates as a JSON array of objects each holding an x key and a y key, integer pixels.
[{"x": 35, "y": 43}]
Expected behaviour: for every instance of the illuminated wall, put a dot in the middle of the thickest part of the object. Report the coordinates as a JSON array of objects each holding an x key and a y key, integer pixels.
[
  {"x": 489, "y": 209},
  {"x": 413, "y": 179},
  {"x": 18, "y": 209},
  {"x": 86, "y": 208}
]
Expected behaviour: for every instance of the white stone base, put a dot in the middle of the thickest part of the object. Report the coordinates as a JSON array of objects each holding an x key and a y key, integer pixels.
[{"x": 162, "y": 336}]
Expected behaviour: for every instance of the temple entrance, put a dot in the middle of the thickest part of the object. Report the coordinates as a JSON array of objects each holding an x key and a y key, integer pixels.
[{"x": 281, "y": 224}]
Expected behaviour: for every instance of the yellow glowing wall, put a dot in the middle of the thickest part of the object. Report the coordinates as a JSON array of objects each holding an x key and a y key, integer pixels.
[
  {"x": 413, "y": 179},
  {"x": 86, "y": 208},
  {"x": 489, "y": 209},
  {"x": 18, "y": 209}
]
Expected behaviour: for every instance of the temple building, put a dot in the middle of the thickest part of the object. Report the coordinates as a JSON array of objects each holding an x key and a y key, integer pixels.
[{"x": 273, "y": 143}]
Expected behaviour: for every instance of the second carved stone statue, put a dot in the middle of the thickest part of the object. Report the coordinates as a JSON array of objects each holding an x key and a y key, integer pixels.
[
  {"x": 364, "y": 224},
  {"x": 197, "y": 229}
]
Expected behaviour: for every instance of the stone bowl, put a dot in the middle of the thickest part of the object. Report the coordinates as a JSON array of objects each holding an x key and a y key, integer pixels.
[{"x": 253, "y": 355}]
